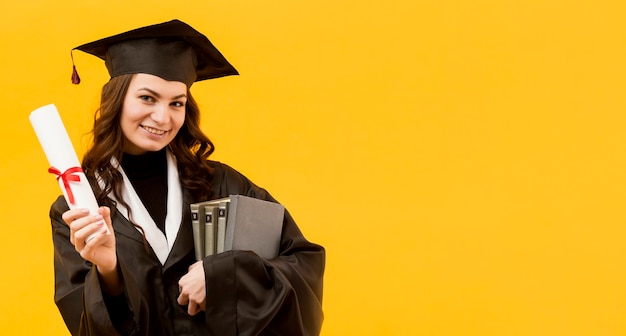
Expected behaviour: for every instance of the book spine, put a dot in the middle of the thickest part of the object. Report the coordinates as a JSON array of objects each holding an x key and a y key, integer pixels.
[
  {"x": 231, "y": 221},
  {"x": 210, "y": 218},
  {"x": 198, "y": 231},
  {"x": 221, "y": 226}
]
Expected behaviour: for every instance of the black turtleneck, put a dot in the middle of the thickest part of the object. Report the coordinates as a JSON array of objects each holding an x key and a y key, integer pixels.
[{"x": 148, "y": 175}]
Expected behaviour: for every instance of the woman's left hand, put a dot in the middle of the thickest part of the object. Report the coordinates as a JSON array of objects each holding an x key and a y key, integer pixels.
[{"x": 193, "y": 289}]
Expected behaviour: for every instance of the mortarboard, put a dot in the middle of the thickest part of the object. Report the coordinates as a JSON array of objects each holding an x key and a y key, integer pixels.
[{"x": 172, "y": 50}]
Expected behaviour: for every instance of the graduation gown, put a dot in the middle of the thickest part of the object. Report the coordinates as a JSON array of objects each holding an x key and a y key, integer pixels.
[{"x": 245, "y": 294}]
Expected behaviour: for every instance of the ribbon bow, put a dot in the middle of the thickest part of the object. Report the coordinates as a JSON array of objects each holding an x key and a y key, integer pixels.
[{"x": 67, "y": 176}]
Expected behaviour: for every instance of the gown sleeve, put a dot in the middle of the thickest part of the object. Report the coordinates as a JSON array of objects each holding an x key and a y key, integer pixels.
[
  {"x": 77, "y": 281},
  {"x": 249, "y": 295}
]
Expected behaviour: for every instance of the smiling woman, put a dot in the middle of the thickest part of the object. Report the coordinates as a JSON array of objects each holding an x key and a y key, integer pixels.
[
  {"x": 153, "y": 112},
  {"x": 148, "y": 163}
]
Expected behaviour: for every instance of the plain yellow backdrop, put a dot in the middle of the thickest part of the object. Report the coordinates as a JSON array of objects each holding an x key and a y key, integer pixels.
[{"x": 463, "y": 162}]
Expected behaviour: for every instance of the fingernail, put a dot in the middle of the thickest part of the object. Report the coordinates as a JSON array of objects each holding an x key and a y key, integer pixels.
[
  {"x": 98, "y": 217},
  {"x": 85, "y": 211}
]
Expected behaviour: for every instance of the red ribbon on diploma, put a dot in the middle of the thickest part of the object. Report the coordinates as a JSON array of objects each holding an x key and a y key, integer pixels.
[{"x": 67, "y": 176}]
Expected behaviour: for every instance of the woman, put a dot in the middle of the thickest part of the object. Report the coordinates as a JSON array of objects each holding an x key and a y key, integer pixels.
[{"x": 131, "y": 270}]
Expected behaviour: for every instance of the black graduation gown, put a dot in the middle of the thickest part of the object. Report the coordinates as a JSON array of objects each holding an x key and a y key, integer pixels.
[{"x": 246, "y": 295}]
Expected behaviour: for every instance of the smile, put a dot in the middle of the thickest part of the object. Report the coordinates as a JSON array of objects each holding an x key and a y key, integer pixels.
[{"x": 153, "y": 130}]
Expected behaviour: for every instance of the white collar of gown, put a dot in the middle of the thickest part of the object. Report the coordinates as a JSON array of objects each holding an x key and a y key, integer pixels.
[{"x": 161, "y": 243}]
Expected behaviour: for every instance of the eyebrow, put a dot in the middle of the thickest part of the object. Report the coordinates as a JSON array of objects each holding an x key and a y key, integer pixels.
[{"x": 156, "y": 94}]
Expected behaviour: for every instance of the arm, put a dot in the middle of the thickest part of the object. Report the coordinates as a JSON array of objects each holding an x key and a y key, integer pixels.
[
  {"x": 244, "y": 291},
  {"x": 80, "y": 289}
]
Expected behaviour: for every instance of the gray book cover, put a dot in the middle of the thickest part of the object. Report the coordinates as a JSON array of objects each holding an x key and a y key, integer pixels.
[{"x": 254, "y": 225}]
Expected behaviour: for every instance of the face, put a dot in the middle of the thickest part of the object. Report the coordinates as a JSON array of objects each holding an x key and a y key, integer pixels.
[{"x": 152, "y": 114}]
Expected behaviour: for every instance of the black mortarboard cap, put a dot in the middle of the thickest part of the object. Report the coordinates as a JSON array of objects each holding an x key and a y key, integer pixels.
[{"x": 172, "y": 50}]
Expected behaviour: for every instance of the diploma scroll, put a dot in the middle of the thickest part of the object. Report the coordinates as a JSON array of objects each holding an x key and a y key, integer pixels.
[{"x": 62, "y": 158}]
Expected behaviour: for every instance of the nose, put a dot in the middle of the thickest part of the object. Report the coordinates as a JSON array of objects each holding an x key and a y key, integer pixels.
[{"x": 160, "y": 114}]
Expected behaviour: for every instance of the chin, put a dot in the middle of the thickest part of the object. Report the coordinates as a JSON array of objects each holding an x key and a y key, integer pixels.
[{"x": 155, "y": 149}]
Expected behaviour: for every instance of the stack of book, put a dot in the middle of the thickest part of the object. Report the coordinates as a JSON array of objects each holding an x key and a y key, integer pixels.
[{"x": 237, "y": 222}]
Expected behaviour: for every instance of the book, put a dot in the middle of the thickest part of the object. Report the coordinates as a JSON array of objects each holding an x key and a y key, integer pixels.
[
  {"x": 222, "y": 212},
  {"x": 197, "y": 214},
  {"x": 243, "y": 223},
  {"x": 210, "y": 228},
  {"x": 254, "y": 225}
]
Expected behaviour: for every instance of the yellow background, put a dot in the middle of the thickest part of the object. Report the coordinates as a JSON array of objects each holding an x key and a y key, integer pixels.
[{"x": 463, "y": 162}]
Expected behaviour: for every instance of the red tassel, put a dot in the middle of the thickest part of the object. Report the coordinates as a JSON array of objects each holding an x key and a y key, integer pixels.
[{"x": 75, "y": 77}]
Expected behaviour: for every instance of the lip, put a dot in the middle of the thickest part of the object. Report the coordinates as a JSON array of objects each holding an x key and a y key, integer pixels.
[{"x": 153, "y": 131}]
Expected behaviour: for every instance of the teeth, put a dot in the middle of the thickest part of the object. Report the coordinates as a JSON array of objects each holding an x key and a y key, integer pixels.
[{"x": 153, "y": 130}]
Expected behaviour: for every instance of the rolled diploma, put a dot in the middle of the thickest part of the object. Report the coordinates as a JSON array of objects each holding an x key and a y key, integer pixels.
[{"x": 61, "y": 155}]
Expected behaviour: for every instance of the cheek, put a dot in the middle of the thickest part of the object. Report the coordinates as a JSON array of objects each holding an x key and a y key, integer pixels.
[
  {"x": 179, "y": 120},
  {"x": 127, "y": 122},
  {"x": 130, "y": 112}
]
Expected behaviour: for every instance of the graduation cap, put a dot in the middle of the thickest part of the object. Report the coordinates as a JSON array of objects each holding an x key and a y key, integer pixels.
[{"x": 172, "y": 50}]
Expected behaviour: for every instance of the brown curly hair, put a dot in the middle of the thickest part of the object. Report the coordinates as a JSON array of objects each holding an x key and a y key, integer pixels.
[{"x": 191, "y": 147}]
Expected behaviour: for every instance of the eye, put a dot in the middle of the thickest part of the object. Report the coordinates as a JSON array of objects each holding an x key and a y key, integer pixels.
[
  {"x": 178, "y": 104},
  {"x": 146, "y": 98}
]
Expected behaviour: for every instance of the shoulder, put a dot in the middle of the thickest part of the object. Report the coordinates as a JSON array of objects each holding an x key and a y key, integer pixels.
[
  {"x": 56, "y": 214},
  {"x": 228, "y": 181},
  {"x": 222, "y": 168},
  {"x": 58, "y": 207}
]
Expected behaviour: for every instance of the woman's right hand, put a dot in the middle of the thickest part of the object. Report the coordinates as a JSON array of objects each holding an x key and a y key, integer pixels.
[{"x": 90, "y": 238}]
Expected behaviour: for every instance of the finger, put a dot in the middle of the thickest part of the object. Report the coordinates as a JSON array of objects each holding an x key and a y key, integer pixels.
[
  {"x": 83, "y": 227},
  {"x": 71, "y": 215},
  {"x": 192, "y": 309},
  {"x": 76, "y": 225},
  {"x": 93, "y": 241},
  {"x": 194, "y": 265},
  {"x": 80, "y": 223},
  {"x": 183, "y": 299},
  {"x": 86, "y": 228},
  {"x": 105, "y": 212}
]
